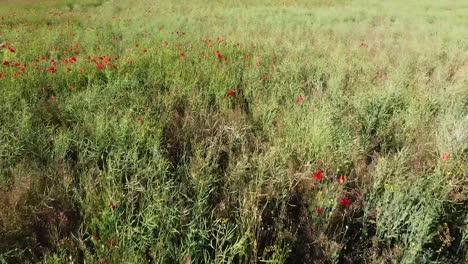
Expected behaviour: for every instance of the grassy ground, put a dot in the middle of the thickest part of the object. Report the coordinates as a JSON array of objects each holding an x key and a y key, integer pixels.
[{"x": 324, "y": 131}]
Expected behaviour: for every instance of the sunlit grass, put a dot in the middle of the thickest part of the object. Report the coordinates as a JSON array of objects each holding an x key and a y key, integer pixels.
[{"x": 176, "y": 132}]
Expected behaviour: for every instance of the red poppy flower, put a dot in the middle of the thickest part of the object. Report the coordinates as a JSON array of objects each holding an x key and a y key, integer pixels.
[
  {"x": 140, "y": 120},
  {"x": 6, "y": 63},
  {"x": 100, "y": 67},
  {"x": 1, "y": 75},
  {"x": 345, "y": 201},
  {"x": 318, "y": 175},
  {"x": 103, "y": 261},
  {"x": 299, "y": 100},
  {"x": 231, "y": 92},
  {"x": 183, "y": 55},
  {"x": 95, "y": 236},
  {"x": 319, "y": 211},
  {"x": 53, "y": 62},
  {"x": 111, "y": 242},
  {"x": 12, "y": 50},
  {"x": 73, "y": 87},
  {"x": 52, "y": 70},
  {"x": 363, "y": 45},
  {"x": 341, "y": 179},
  {"x": 16, "y": 64},
  {"x": 112, "y": 205},
  {"x": 219, "y": 55},
  {"x": 258, "y": 64},
  {"x": 248, "y": 58},
  {"x": 445, "y": 157}
]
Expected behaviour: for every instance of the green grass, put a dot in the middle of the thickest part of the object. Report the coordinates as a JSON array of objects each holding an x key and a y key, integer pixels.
[{"x": 149, "y": 159}]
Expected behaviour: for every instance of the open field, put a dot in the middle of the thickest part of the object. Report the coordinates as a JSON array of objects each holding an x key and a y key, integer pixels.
[{"x": 267, "y": 131}]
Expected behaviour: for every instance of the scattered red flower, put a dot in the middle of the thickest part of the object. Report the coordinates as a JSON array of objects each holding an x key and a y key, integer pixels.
[
  {"x": 12, "y": 50},
  {"x": 73, "y": 88},
  {"x": 111, "y": 242},
  {"x": 231, "y": 92},
  {"x": 318, "y": 175},
  {"x": 299, "y": 100},
  {"x": 112, "y": 205},
  {"x": 219, "y": 55},
  {"x": 68, "y": 70},
  {"x": 319, "y": 211},
  {"x": 345, "y": 201},
  {"x": 52, "y": 70},
  {"x": 258, "y": 64},
  {"x": 6, "y": 63},
  {"x": 363, "y": 45},
  {"x": 95, "y": 237},
  {"x": 100, "y": 67},
  {"x": 140, "y": 120},
  {"x": 445, "y": 157},
  {"x": 341, "y": 179},
  {"x": 183, "y": 55}
]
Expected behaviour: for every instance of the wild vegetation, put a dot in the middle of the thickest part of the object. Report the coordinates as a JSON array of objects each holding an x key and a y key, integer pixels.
[{"x": 268, "y": 131}]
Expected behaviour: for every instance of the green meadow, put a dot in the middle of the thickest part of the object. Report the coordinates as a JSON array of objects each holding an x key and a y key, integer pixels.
[{"x": 266, "y": 131}]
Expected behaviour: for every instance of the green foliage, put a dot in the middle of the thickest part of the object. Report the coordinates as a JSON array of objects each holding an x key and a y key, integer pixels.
[{"x": 136, "y": 151}]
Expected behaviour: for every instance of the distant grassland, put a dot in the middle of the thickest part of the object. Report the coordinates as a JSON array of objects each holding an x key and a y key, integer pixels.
[{"x": 233, "y": 131}]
